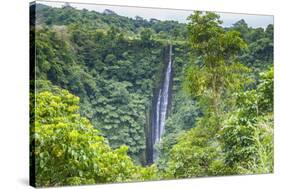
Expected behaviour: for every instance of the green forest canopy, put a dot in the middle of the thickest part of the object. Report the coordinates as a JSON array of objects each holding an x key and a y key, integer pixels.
[{"x": 95, "y": 78}]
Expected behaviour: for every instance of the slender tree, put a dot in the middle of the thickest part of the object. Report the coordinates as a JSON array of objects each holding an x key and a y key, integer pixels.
[{"x": 215, "y": 72}]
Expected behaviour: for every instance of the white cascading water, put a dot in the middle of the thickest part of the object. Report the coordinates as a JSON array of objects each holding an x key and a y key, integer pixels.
[{"x": 161, "y": 107}]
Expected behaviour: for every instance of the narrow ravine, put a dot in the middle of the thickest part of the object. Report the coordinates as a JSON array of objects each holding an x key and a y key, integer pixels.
[{"x": 160, "y": 114}]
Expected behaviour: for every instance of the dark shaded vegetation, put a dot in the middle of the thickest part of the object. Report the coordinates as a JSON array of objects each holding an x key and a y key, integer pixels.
[{"x": 96, "y": 74}]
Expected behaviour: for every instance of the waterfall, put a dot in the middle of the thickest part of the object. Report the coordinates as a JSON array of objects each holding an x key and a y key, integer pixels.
[{"x": 160, "y": 114}]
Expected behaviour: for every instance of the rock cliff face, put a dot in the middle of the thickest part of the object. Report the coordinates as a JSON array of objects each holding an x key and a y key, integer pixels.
[{"x": 160, "y": 107}]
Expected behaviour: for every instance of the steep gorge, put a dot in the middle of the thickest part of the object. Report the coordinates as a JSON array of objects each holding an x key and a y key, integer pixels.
[{"x": 160, "y": 107}]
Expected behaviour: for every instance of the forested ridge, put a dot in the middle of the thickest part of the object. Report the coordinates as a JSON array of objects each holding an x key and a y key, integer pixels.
[{"x": 97, "y": 75}]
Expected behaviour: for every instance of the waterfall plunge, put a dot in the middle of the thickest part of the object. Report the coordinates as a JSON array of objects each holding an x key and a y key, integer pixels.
[{"x": 161, "y": 107}]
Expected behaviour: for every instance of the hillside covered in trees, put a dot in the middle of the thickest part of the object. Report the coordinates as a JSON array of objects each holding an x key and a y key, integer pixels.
[{"x": 95, "y": 85}]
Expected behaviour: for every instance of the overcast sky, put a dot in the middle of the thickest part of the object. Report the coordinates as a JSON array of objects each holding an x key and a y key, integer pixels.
[{"x": 170, "y": 14}]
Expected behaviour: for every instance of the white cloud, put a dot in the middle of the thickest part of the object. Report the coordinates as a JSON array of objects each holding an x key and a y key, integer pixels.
[{"x": 170, "y": 14}]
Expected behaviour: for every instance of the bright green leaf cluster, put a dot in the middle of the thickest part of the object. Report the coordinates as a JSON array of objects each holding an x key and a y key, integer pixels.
[{"x": 69, "y": 151}]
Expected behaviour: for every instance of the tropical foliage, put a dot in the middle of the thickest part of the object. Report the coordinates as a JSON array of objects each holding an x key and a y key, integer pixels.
[
  {"x": 96, "y": 79},
  {"x": 69, "y": 150}
]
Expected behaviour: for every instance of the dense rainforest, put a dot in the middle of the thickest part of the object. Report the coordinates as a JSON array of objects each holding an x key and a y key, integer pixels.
[{"x": 97, "y": 75}]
